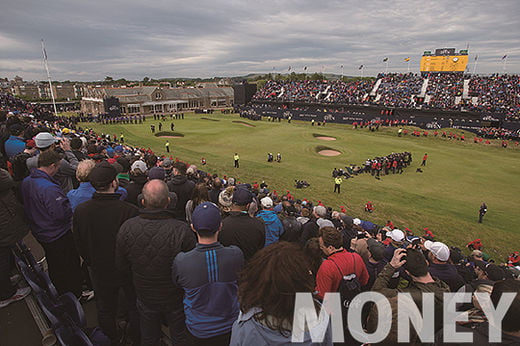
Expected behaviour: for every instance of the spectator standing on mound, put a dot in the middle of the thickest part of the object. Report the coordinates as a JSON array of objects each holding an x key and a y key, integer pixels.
[
  {"x": 50, "y": 216},
  {"x": 239, "y": 228},
  {"x": 167, "y": 146},
  {"x": 146, "y": 247},
  {"x": 425, "y": 157},
  {"x": 96, "y": 224},
  {"x": 209, "y": 270},
  {"x": 482, "y": 211},
  {"x": 273, "y": 226},
  {"x": 236, "y": 158}
]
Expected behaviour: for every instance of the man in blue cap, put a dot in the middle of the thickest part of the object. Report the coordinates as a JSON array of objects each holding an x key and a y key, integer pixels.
[{"x": 208, "y": 275}]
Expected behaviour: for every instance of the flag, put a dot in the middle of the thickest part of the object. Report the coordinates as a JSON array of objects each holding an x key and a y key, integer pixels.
[
  {"x": 341, "y": 66},
  {"x": 289, "y": 68},
  {"x": 407, "y": 59},
  {"x": 385, "y": 59},
  {"x": 476, "y": 57},
  {"x": 505, "y": 56},
  {"x": 305, "y": 68},
  {"x": 361, "y": 67}
]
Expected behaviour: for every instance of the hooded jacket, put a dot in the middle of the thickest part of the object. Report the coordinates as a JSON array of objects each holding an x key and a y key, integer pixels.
[
  {"x": 273, "y": 226},
  {"x": 183, "y": 188},
  {"x": 13, "y": 222},
  {"x": 46, "y": 206},
  {"x": 447, "y": 273},
  {"x": 248, "y": 331}
]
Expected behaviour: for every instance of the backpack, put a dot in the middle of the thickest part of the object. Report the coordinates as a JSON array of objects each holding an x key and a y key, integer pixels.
[{"x": 349, "y": 286}]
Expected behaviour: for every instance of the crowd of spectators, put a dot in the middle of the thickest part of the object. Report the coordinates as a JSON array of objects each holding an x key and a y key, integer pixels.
[
  {"x": 216, "y": 260},
  {"x": 494, "y": 94}
]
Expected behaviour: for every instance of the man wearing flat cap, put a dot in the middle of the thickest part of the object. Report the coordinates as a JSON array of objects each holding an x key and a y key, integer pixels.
[
  {"x": 96, "y": 224},
  {"x": 209, "y": 270},
  {"x": 239, "y": 228}
]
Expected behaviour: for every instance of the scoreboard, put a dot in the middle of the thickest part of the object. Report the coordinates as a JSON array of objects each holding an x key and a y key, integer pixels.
[{"x": 444, "y": 60}]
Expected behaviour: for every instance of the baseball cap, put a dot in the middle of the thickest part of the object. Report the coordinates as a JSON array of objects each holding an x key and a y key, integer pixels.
[
  {"x": 139, "y": 165},
  {"x": 44, "y": 140},
  {"x": 242, "y": 197},
  {"x": 102, "y": 174},
  {"x": 156, "y": 173},
  {"x": 356, "y": 221},
  {"x": 324, "y": 223},
  {"x": 266, "y": 202},
  {"x": 396, "y": 234},
  {"x": 440, "y": 250},
  {"x": 493, "y": 272},
  {"x": 206, "y": 216},
  {"x": 376, "y": 248}
]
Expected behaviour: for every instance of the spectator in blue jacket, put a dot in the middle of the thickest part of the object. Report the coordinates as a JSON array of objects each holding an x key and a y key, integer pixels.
[
  {"x": 16, "y": 143},
  {"x": 85, "y": 190},
  {"x": 273, "y": 225},
  {"x": 208, "y": 275},
  {"x": 50, "y": 219}
]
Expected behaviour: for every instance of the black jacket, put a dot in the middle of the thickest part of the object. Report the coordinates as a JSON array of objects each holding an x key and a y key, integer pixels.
[
  {"x": 13, "y": 222},
  {"x": 292, "y": 228},
  {"x": 146, "y": 246},
  {"x": 310, "y": 230},
  {"x": 135, "y": 187},
  {"x": 183, "y": 188},
  {"x": 243, "y": 231},
  {"x": 95, "y": 226}
]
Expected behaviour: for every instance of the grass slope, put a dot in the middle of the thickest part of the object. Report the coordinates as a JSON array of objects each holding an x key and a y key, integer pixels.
[{"x": 445, "y": 198}]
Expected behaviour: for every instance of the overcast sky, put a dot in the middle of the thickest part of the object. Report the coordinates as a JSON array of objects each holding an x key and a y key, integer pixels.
[{"x": 88, "y": 40}]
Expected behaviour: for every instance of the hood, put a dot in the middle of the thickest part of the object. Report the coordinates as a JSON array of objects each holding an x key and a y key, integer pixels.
[
  {"x": 36, "y": 173},
  {"x": 139, "y": 179},
  {"x": 269, "y": 216},
  {"x": 179, "y": 179}
]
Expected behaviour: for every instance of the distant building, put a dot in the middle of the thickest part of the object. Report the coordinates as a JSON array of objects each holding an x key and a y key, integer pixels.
[{"x": 153, "y": 99}]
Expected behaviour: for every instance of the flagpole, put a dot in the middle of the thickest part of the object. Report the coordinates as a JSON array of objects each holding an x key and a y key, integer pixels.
[
  {"x": 342, "y": 72},
  {"x": 386, "y": 69},
  {"x": 49, "y": 77},
  {"x": 408, "y": 65},
  {"x": 363, "y": 72},
  {"x": 504, "y": 64},
  {"x": 475, "y": 64}
]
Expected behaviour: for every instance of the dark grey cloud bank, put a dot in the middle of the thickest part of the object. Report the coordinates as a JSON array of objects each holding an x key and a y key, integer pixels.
[{"x": 89, "y": 40}]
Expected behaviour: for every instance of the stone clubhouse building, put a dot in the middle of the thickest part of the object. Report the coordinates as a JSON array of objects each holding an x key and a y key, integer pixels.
[{"x": 155, "y": 99}]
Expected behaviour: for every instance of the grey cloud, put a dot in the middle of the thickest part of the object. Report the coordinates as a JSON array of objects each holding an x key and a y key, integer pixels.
[{"x": 132, "y": 39}]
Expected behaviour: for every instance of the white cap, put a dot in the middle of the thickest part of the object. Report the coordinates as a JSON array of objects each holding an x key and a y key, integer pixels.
[
  {"x": 266, "y": 202},
  {"x": 356, "y": 221},
  {"x": 44, "y": 140},
  {"x": 324, "y": 223},
  {"x": 440, "y": 250},
  {"x": 396, "y": 235},
  {"x": 140, "y": 165}
]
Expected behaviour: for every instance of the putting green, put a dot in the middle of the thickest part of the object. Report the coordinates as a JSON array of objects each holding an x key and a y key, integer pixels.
[{"x": 445, "y": 197}]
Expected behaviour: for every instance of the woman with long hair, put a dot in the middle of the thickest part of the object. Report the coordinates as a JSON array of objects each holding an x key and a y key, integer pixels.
[
  {"x": 200, "y": 194},
  {"x": 267, "y": 291}
]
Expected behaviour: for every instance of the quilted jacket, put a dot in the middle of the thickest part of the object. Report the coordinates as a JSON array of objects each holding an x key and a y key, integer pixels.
[{"x": 146, "y": 246}]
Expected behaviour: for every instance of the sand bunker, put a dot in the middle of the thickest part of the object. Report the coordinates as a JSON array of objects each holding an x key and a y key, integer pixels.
[
  {"x": 170, "y": 136},
  {"x": 204, "y": 118},
  {"x": 243, "y": 123},
  {"x": 326, "y": 138},
  {"x": 329, "y": 152}
]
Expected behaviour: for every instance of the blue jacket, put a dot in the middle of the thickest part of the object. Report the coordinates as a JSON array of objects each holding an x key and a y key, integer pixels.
[
  {"x": 84, "y": 193},
  {"x": 248, "y": 331},
  {"x": 14, "y": 145},
  {"x": 46, "y": 206},
  {"x": 208, "y": 275},
  {"x": 273, "y": 226}
]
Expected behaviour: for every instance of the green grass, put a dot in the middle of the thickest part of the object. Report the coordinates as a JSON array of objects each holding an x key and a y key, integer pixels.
[{"x": 445, "y": 198}]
